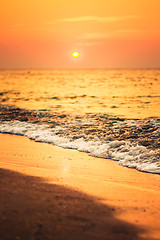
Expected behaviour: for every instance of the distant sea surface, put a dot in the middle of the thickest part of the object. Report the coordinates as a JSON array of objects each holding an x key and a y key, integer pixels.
[
  {"x": 107, "y": 113},
  {"x": 127, "y": 93}
]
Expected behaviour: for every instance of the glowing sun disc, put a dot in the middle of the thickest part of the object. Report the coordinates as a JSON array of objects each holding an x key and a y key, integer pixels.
[{"x": 75, "y": 54}]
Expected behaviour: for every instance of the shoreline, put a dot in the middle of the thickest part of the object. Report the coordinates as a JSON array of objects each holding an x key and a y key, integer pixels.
[
  {"x": 133, "y": 143},
  {"x": 133, "y": 195}
]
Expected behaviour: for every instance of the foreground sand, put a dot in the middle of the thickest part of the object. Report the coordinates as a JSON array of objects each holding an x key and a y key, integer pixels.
[{"x": 51, "y": 193}]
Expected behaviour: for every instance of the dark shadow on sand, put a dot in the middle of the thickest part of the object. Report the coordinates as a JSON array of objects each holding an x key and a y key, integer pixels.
[{"x": 31, "y": 209}]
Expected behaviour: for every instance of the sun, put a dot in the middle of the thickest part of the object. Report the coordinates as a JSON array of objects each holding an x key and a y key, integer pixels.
[{"x": 75, "y": 54}]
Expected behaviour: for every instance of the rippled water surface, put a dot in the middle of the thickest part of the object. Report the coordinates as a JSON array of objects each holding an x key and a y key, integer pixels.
[{"x": 128, "y": 93}]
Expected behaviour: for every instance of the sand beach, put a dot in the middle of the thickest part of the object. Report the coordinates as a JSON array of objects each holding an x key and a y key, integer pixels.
[
  {"x": 80, "y": 120},
  {"x": 49, "y": 192}
]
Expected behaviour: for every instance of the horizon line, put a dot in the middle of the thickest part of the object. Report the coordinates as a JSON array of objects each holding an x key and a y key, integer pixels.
[{"x": 85, "y": 68}]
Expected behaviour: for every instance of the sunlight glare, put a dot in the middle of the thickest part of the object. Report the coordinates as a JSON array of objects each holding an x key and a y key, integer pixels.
[{"x": 75, "y": 54}]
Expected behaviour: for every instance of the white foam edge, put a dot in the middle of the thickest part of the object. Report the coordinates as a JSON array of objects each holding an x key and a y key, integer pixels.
[{"x": 122, "y": 151}]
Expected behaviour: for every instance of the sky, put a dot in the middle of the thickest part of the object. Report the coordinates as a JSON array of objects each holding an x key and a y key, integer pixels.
[{"x": 106, "y": 33}]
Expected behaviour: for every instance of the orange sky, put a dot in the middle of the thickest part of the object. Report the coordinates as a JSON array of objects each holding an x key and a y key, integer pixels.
[{"x": 107, "y": 33}]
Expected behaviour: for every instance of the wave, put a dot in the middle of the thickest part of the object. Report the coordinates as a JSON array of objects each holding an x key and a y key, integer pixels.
[{"x": 88, "y": 136}]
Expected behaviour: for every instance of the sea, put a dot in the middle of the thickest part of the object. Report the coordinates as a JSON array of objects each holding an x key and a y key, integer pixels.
[{"x": 107, "y": 113}]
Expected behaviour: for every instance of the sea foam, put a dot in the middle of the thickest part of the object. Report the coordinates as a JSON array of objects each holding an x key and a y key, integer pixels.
[{"x": 128, "y": 154}]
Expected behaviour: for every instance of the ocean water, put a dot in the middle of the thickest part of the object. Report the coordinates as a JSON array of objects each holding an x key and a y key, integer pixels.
[{"x": 107, "y": 113}]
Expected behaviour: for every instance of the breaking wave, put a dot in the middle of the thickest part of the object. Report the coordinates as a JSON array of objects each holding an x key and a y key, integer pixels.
[{"x": 84, "y": 136}]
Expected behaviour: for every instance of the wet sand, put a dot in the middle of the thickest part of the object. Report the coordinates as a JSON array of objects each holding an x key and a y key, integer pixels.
[{"x": 47, "y": 192}]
